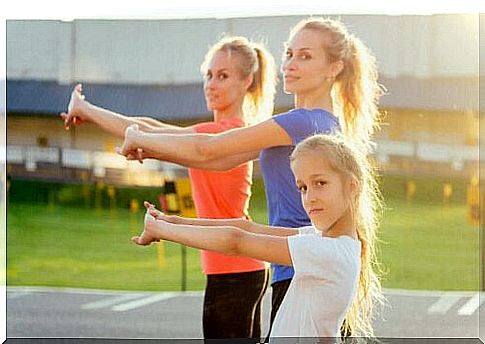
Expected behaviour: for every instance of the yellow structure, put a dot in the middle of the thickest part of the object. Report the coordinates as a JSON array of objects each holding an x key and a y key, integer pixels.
[
  {"x": 178, "y": 200},
  {"x": 410, "y": 190},
  {"x": 473, "y": 201}
]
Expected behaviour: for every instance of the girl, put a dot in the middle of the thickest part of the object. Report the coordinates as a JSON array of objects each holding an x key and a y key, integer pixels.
[
  {"x": 239, "y": 83},
  {"x": 333, "y": 258},
  {"x": 333, "y": 79}
]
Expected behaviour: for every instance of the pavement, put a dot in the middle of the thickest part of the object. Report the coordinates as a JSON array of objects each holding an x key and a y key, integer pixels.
[{"x": 37, "y": 312}]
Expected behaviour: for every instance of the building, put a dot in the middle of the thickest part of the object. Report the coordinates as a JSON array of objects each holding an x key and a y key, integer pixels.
[{"x": 429, "y": 64}]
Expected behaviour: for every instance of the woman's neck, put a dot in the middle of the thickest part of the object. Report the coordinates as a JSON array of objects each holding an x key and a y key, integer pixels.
[
  {"x": 230, "y": 112},
  {"x": 316, "y": 99}
]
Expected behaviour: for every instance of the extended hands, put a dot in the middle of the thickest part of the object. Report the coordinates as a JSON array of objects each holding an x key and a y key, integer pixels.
[
  {"x": 77, "y": 104},
  {"x": 154, "y": 221},
  {"x": 129, "y": 149}
]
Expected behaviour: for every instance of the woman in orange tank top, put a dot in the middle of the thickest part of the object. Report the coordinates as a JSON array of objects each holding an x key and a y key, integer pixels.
[{"x": 239, "y": 86}]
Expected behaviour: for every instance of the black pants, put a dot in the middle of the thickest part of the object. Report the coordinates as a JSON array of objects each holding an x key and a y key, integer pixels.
[{"x": 232, "y": 305}]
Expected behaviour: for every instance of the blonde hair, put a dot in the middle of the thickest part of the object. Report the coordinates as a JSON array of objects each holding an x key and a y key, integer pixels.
[
  {"x": 355, "y": 90},
  {"x": 256, "y": 60},
  {"x": 351, "y": 162}
]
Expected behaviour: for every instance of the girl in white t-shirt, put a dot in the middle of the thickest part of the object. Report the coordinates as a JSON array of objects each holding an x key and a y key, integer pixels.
[{"x": 333, "y": 259}]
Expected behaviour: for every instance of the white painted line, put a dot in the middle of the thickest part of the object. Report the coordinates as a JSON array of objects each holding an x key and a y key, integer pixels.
[
  {"x": 83, "y": 291},
  {"x": 15, "y": 295},
  {"x": 471, "y": 306},
  {"x": 143, "y": 302},
  {"x": 110, "y": 301},
  {"x": 426, "y": 293},
  {"x": 444, "y": 303}
]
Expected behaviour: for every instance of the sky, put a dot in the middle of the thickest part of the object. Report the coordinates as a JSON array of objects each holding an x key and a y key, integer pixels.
[{"x": 165, "y": 9}]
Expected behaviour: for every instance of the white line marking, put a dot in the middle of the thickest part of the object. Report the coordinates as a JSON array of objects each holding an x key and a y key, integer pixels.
[
  {"x": 426, "y": 293},
  {"x": 83, "y": 291},
  {"x": 471, "y": 306},
  {"x": 110, "y": 301},
  {"x": 15, "y": 295},
  {"x": 143, "y": 302},
  {"x": 444, "y": 303}
]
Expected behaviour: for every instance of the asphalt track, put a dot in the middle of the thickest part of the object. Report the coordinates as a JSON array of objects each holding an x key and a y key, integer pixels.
[{"x": 83, "y": 313}]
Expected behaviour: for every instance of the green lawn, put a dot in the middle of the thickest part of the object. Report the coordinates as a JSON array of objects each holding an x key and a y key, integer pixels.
[
  {"x": 429, "y": 247},
  {"x": 76, "y": 247},
  {"x": 425, "y": 245}
]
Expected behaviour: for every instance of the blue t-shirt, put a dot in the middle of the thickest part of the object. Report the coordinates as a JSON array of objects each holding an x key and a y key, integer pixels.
[{"x": 282, "y": 196}]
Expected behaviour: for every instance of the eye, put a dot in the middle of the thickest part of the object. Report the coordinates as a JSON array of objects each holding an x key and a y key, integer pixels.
[
  {"x": 321, "y": 183},
  {"x": 305, "y": 56},
  {"x": 222, "y": 76},
  {"x": 208, "y": 75},
  {"x": 302, "y": 188},
  {"x": 288, "y": 55}
]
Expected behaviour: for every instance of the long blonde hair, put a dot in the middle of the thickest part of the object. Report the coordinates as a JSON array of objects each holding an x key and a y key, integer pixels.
[
  {"x": 254, "y": 59},
  {"x": 355, "y": 90},
  {"x": 351, "y": 162}
]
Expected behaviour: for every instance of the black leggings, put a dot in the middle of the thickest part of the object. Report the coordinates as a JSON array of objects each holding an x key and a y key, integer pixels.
[{"x": 232, "y": 304}]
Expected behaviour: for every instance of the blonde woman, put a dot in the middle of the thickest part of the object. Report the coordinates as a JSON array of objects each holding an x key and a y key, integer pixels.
[
  {"x": 239, "y": 83},
  {"x": 333, "y": 258},
  {"x": 333, "y": 78}
]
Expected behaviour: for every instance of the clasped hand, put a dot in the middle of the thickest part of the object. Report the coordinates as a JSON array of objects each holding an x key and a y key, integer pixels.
[
  {"x": 153, "y": 224},
  {"x": 129, "y": 149}
]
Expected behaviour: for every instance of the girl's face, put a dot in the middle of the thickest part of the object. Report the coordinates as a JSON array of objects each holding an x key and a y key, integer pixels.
[
  {"x": 325, "y": 194},
  {"x": 224, "y": 86},
  {"x": 305, "y": 65}
]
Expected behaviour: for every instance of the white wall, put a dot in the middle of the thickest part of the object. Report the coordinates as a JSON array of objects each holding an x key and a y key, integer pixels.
[{"x": 170, "y": 51}]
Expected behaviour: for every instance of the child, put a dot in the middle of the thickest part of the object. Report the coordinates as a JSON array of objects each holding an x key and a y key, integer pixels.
[{"x": 333, "y": 258}]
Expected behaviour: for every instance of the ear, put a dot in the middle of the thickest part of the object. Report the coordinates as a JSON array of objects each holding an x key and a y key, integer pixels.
[
  {"x": 336, "y": 68},
  {"x": 353, "y": 187},
  {"x": 249, "y": 80}
]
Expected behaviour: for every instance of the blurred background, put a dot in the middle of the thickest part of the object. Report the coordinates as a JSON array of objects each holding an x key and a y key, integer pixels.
[{"x": 73, "y": 204}]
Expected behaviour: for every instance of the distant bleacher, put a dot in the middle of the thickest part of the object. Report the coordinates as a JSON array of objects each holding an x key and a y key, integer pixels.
[{"x": 393, "y": 157}]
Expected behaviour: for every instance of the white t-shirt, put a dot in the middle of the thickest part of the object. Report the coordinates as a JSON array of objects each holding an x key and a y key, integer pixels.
[{"x": 323, "y": 288}]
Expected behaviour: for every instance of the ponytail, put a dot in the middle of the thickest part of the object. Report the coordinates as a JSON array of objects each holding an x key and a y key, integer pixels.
[
  {"x": 259, "y": 100},
  {"x": 357, "y": 92}
]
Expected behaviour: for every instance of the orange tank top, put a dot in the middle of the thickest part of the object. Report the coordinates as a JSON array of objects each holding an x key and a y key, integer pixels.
[{"x": 222, "y": 195}]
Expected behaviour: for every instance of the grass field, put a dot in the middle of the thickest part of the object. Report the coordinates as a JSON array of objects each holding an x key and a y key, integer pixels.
[{"x": 425, "y": 245}]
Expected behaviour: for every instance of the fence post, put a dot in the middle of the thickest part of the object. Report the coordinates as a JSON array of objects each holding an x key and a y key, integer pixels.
[
  {"x": 169, "y": 202},
  {"x": 482, "y": 236}
]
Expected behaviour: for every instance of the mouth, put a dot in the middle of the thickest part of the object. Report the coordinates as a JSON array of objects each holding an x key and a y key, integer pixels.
[
  {"x": 314, "y": 211},
  {"x": 290, "y": 78}
]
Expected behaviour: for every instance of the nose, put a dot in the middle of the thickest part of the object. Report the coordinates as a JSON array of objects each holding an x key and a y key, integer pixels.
[
  {"x": 288, "y": 64},
  {"x": 309, "y": 196},
  {"x": 209, "y": 84}
]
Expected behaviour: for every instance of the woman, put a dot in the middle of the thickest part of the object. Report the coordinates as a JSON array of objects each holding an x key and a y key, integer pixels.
[
  {"x": 239, "y": 83},
  {"x": 333, "y": 257},
  {"x": 333, "y": 79}
]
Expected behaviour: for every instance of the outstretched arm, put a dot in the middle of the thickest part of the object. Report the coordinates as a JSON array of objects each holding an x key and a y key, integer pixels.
[
  {"x": 81, "y": 111},
  {"x": 219, "y": 164},
  {"x": 228, "y": 240},
  {"x": 205, "y": 147},
  {"x": 240, "y": 223}
]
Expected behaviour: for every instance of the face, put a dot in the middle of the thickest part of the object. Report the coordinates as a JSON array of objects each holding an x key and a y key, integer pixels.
[
  {"x": 324, "y": 193},
  {"x": 305, "y": 67},
  {"x": 224, "y": 86}
]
